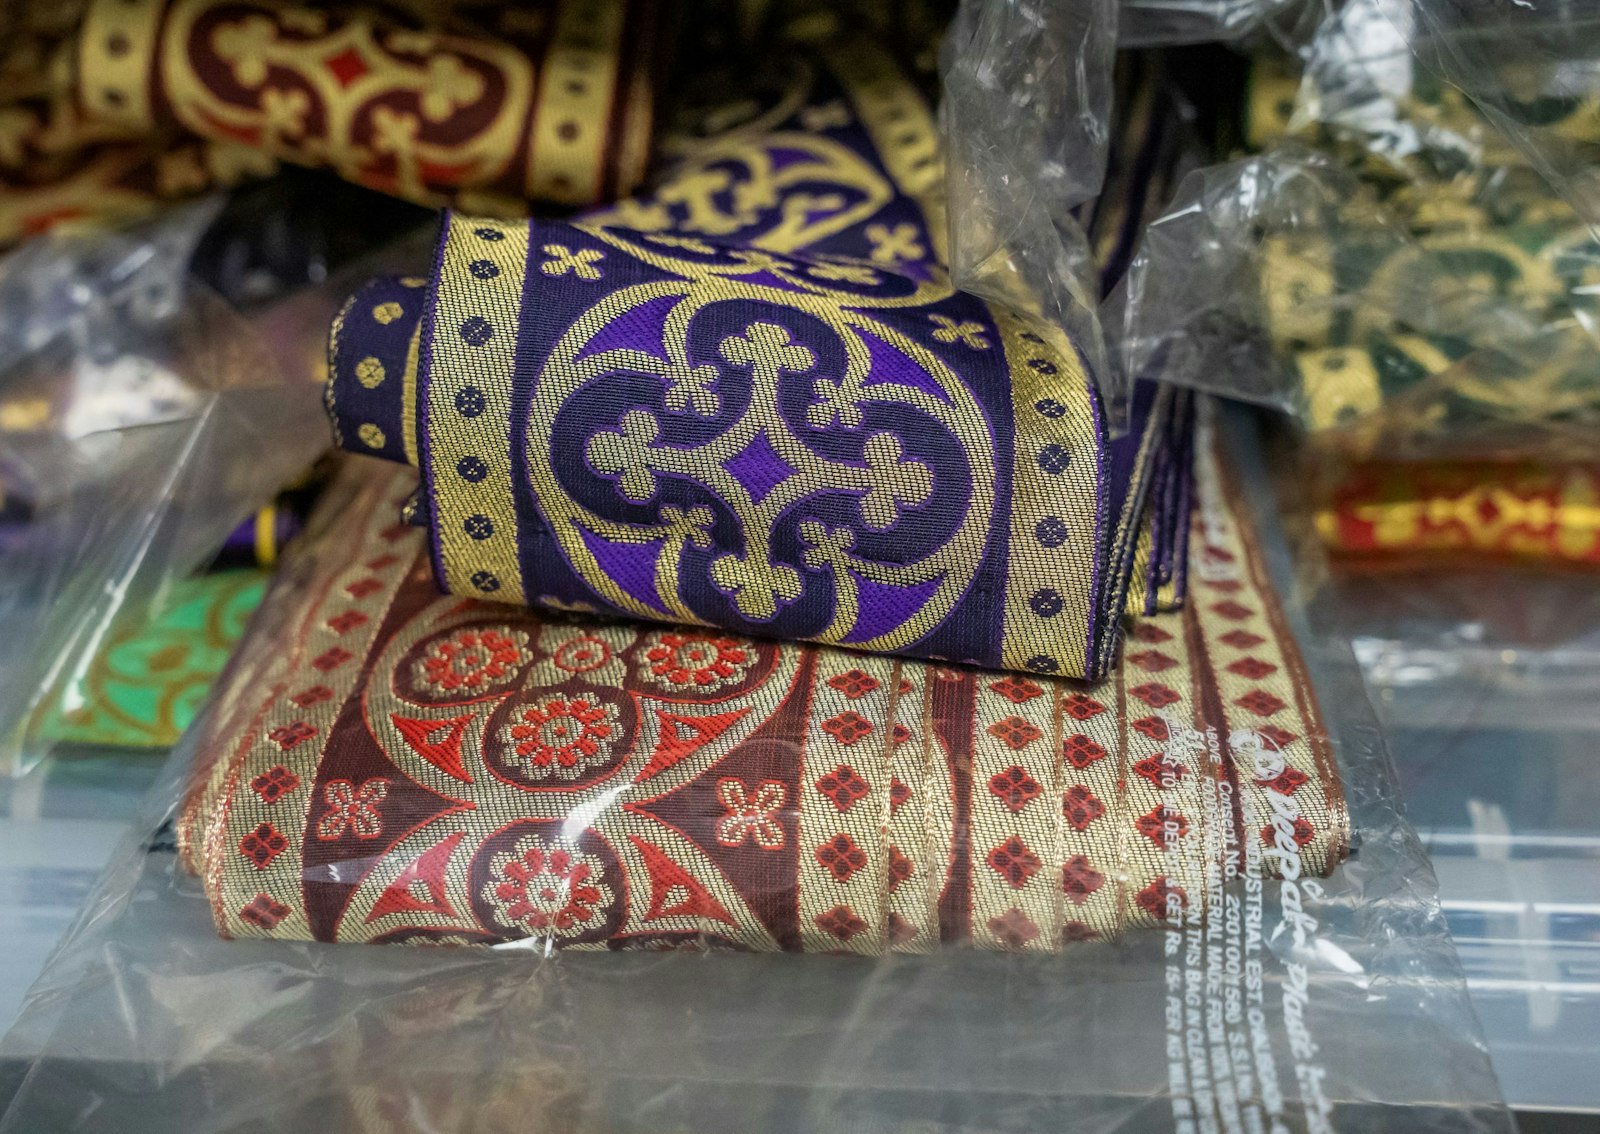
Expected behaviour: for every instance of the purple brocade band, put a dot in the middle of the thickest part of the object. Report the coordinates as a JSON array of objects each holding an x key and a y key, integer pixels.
[{"x": 755, "y": 401}]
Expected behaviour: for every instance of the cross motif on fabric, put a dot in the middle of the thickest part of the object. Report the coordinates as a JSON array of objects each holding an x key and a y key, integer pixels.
[
  {"x": 353, "y": 808},
  {"x": 894, "y": 245},
  {"x": 951, "y": 331},
  {"x": 580, "y": 263}
]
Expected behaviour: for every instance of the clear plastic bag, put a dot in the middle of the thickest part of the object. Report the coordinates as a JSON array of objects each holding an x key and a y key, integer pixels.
[
  {"x": 1026, "y": 119},
  {"x": 1281, "y": 1005},
  {"x": 1153, "y": 23},
  {"x": 1388, "y": 268},
  {"x": 142, "y": 417}
]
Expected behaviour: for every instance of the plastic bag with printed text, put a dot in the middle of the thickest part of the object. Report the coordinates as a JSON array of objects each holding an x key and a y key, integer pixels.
[
  {"x": 159, "y": 386},
  {"x": 673, "y": 880}
]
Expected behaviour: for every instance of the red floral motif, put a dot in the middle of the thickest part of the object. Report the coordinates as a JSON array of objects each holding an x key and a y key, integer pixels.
[
  {"x": 899, "y": 792},
  {"x": 549, "y": 891},
  {"x": 1154, "y": 694},
  {"x": 901, "y": 930},
  {"x": 1150, "y": 632},
  {"x": 841, "y": 857},
  {"x": 1081, "y": 807},
  {"x": 1304, "y": 832},
  {"x": 313, "y": 696},
  {"x": 853, "y": 683},
  {"x": 381, "y": 562},
  {"x": 1155, "y": 899},
  {"x": 1162, "y": 825},
  {"x": 347, "y": 621},
  {"x": 751, "y": 816},
  {"x": 1081, "y": 708},
  {"x": 1014, "y": 732},
  {"x": 1228, "y": 608},
  {"x": 275, "y": 783},
  {"x": 899, "y": 735},
  {"x": 583, "y": 654},
  {"x": 1286, "y": 782},
  {"x": 844, "y": 786},
  {"x": 1014, "y": 788},
  {"x": 1280, "y": 738},
  {"x": 1077, "y": 931},
  {"x": 263, "y": 911},
  {"x": 470, "y": 661},
  {"x": 1081, "y": 751},
  {"x": 1225, "y": 586},
  {"x": 1079, "y": 879},
  {"x": 1153, "y": 727},
  {"x": 1013, "y": 929},
  {"x": 848, "y": 727},
  {"x": 841, "y": 922},
  {"x": 1241, "y": 639},
  {"x": 562, "y": 735},
  {"x": 352, "y": 808},
  {"x": 1160, "y": 771},
  {"x": 1152, "y": 661},
  {"x": 900, "y": 868},
  {"x": 289, "y": 735},
  {"x": 262, "y": 845},
  {"x": 682, "y": 659},
  {"x": 1260, "y": 702},
  {"x": 905, "y": 686},
  {"x": 1253, "y": 668},
  {"x": 1014, "y": 862},
  {"x": 331, "y": 659},
  {"x": 1015, "y": 689}
]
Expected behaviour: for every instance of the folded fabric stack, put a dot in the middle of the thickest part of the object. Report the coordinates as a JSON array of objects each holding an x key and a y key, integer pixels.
[
  {"x": 388, "y": 764},
  {"x": 753, "y": 400},
  {"x": 751, "y": 404},
  {"x": 1440, "y": 321}
]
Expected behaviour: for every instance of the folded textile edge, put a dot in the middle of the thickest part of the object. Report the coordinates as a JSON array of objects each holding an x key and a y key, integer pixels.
[{"x": 387, "y": 764}]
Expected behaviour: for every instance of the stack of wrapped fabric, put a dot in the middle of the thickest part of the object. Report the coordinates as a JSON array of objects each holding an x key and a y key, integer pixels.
[
  {"x": 1438, "y": 318},
  {"x": 727, "y": 578}
]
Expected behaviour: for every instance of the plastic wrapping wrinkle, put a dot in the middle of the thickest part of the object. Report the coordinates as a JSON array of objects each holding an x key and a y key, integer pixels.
[
  {"x": 1390, "y": 269},
  {"x": 146, "y": 1020},
  {"x": 1026, "y": 119},
  {"x": 141, "y": 417},
  {"x": 397, "y": 765}
]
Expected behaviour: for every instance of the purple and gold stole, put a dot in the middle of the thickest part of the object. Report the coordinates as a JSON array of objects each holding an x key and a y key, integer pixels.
[{"x": 755, "y": 401}]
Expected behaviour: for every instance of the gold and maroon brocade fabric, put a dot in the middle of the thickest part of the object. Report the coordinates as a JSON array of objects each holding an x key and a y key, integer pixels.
[
  {"x": 59, "y": 165},
  {"x": 487, "y": 105},
  {"x": 1524, "y": 510},
  {"x": 133, "y": 101},
  {"x": 386, "y": 764}
]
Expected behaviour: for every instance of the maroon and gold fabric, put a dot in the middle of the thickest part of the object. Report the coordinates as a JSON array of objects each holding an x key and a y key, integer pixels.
[
  {"x": 386, "y": 764},
  {"x": 488, "y": 105},
  {"x": 1523, "y": 510},
  {"x": 59, "y": 165},
  {"x": 109, "y": 107}
]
